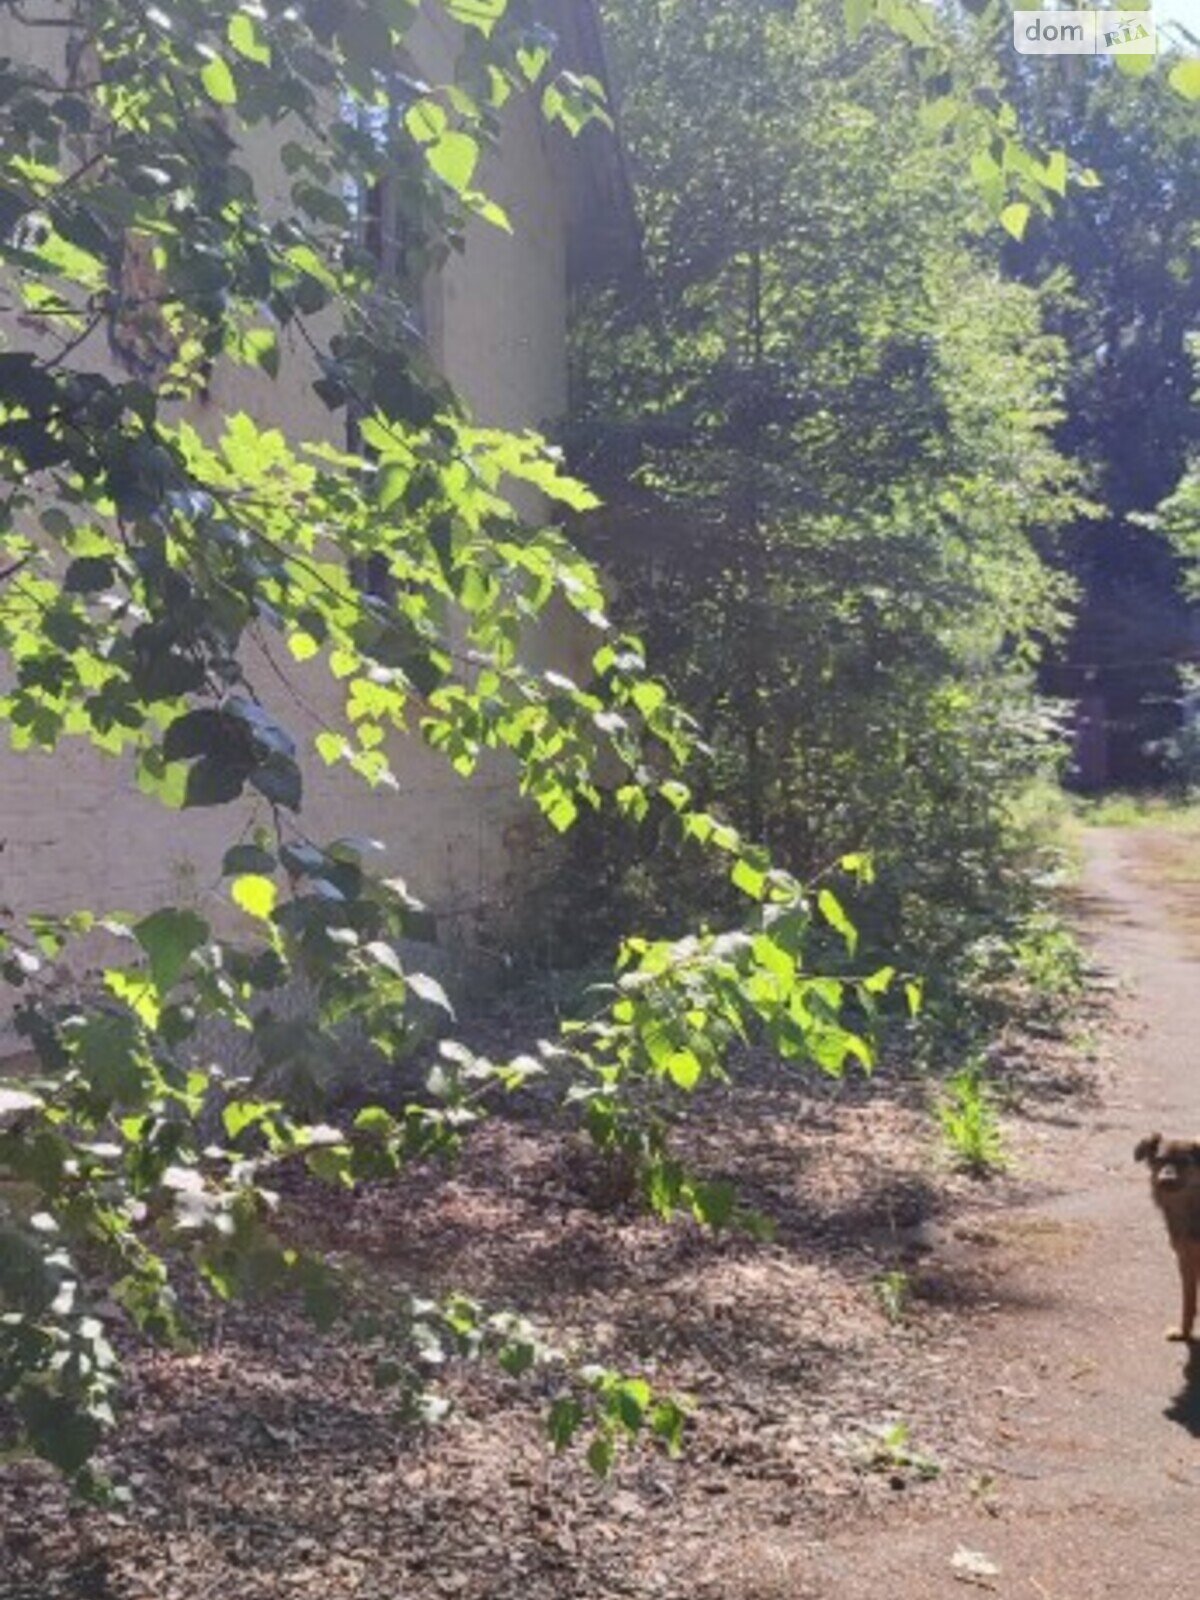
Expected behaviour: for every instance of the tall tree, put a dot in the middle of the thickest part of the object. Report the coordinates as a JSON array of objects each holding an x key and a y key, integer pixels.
[
  {"x": 1125, "y": 249},
  {"x": 840, "y": 416}
]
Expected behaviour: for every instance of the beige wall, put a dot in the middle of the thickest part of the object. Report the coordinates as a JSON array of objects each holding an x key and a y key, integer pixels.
[{"x": 77, "y": 833}]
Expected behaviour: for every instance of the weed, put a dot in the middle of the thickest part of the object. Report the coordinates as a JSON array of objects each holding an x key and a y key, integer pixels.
[
  {"x": 1136, "y": 810},
  {"x": 966, "y": 1114},
  {"x": 888, "y": 1450},
  {"x": 983, "y": 1493},
  {"x": 893, "y": 1290},
  {"x": 1048, "y": 957},
  {"x": 1085, "y": 1042}
]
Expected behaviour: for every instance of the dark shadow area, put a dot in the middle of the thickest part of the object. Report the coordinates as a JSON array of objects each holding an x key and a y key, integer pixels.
[
  {"x": 1084, "y": 905},
  {"x": 86, "y": 1580},
  {"x": 1051, "y": 1119},
  {"x": 1184, "y": 1409},
  {"x": 887, "y": 1211},
  {"x": 963, "y": 1289}
]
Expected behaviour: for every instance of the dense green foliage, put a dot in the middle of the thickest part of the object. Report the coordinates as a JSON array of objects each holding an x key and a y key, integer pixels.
[
  {"x": 143, "y": 558},
  {"x": 1125, "y": 251},
  {"x": 839, "y": 415},
  {"x": 1179, "y": 519}
]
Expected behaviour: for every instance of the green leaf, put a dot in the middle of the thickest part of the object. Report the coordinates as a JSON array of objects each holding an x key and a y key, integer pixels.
[
  {"x": 137, "y": 993},
  {"x": 713, "y": 1203},
  {"x": 430, "y": 990},
  {"x": 239, "y": 1115},
  {"x": 858, "y": 13},
  {"x": 684, "y": 1069},
  {"x": 1184, "y": 78},
  {"x": 278, "y": 778},
  {"x": 247, "y": 858},
  {"x": 454, "y": 158},
  {"x": 1135, "y": 66},
  {"x": 59, "y": 1429},
  {"x": 480, "y": 14},
  {"x": 1054, "y": 173},
  {"x": 376, "y": 1121},
  {"x": 426, "y": 121},
  {"x": 394, "y": 479},
  {"x": 219, "y": 83},
  {"x": 1015, "y": 218},
  {"x": 667, "y": 1422},
  {"x": 632, "y": 1399},
  {"x": 331, "y": 747},
  {"x": 564, "y": 1421},
  {"x": 213, "y": 782},
  {"x": 989, "y": 178},
  {"x": 749, "y": 879},
  {"x": 832, "y": 910},
  {"x": 260, "y": 346},
  {"x": 303, "y": 646},
  {"x": 169, "y": 937},
  {"x": 256, "y": 895},
  {"x": 533, "y": 62},
  {"x": 649, "y": 697},
  {"x": 112, "y": 1058},
  {"x": 940, "y": 113},
  {"x": 88, "y": 574},
  {"x": 243, "y": 35}
]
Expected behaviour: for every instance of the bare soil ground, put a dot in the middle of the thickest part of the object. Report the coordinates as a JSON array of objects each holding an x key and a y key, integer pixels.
[
  {"x": 1026, "y": 1367},
  {"x": 1102, "y": 1417}
]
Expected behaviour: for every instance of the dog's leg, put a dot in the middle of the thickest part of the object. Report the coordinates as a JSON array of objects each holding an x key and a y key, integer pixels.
[
  {"x": 1188, "y": 1280},
  {"x": 1189, "y": 1292}
]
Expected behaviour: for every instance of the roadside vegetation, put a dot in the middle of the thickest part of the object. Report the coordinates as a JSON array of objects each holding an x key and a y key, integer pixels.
[
  {"x": 828, "y": 430},
  {"x": 1180, "y": 814}
]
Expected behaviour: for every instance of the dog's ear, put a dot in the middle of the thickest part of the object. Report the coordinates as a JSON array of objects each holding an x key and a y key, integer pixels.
[{"x": 1147, "y": 1149}]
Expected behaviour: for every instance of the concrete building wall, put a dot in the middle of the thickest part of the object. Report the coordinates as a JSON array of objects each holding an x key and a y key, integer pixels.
[{"x": 75, "y": 830}]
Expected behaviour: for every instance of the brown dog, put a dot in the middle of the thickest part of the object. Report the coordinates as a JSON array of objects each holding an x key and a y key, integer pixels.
[{"x": 1175, "y": 1186}]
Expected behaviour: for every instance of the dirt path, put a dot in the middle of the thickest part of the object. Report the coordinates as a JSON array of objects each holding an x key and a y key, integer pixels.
[{"x": 1084, "y": 1411}]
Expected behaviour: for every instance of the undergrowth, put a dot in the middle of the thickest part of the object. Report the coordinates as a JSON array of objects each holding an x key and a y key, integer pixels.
[
  {"x": 969, "y": 1122},
  {"x": 1147, "y": 809}
]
